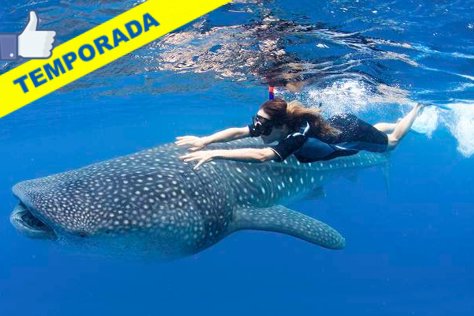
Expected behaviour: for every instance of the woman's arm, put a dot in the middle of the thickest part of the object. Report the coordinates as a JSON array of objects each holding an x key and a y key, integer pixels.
[
  {"x": 227, "y": 135},
  {"x": 241, "y": 154},
  {"x": 196, "y": 143}
]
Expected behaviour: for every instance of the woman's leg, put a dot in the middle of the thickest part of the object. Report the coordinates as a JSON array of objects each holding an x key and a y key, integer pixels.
[
  {"x": 385, "y": 127},
  {"x": 402, "y": 127}
]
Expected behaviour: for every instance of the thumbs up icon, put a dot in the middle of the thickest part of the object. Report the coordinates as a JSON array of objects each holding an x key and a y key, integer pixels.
[{"x": 33, "y": 43}]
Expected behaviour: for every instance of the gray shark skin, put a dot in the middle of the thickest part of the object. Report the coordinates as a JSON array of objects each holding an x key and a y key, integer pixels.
[{"x": 151, "y": 202}]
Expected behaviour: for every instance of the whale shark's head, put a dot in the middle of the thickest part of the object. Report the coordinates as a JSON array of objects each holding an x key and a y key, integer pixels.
[
  {"x": 133, "y": 197},
  {"x": 57, "y": 206},
  {"x": 161, "y": 220}
]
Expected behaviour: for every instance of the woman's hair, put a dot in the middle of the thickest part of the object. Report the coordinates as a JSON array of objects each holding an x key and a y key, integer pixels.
[{"x": 293, "y": 114}]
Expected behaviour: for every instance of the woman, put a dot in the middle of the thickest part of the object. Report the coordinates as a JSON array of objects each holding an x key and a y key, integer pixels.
[{"x": 302, "y": 132}]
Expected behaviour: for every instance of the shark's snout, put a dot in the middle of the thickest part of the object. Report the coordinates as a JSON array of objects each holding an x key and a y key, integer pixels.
[
  {"x": 47, "y": 210},
  {"x": 28, "y": 224},
  {"x": 26, "y": 218}
]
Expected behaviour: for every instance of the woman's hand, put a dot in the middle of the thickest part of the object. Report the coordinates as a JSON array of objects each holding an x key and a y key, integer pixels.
[
  {"x": 202, "y": 156},
  {"x": 193, "y": 142}
]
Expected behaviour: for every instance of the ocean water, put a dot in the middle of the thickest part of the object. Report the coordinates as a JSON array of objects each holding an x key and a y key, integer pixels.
[{"x": 409, "y": 226}]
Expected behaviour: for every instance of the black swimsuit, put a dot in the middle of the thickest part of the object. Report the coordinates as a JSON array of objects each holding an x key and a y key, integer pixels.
[{"x": 355, "y": 135}]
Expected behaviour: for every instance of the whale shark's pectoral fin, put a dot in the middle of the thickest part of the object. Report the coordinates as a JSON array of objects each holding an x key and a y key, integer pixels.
[{"x": 283, "y": 220}]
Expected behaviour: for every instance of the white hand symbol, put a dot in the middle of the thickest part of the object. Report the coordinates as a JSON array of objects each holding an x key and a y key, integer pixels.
[{"x": 33, "y": 43}]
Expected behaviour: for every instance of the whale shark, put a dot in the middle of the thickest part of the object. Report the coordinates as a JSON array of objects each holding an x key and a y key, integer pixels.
[{"x": 153, "y": 203}]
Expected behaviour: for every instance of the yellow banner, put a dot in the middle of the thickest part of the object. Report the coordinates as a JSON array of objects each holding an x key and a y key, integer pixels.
[{"x": 97, "y": 48}]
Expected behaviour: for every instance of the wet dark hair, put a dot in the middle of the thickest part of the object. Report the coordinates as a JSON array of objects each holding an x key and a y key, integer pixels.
[{"x": 293, "y": 114}]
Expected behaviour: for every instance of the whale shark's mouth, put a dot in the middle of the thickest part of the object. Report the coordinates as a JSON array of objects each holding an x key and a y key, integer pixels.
[{"x": 29, "y": 225}]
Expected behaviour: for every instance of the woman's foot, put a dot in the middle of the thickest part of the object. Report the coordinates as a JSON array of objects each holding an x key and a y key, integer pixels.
[{"x": 420, "y": 106}]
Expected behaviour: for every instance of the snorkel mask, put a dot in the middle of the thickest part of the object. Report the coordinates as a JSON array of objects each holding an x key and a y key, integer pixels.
[{"x": 261, "y": 126}]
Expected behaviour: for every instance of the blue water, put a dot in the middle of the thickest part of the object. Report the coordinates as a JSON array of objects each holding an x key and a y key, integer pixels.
[{"x": 409, "y": 228}]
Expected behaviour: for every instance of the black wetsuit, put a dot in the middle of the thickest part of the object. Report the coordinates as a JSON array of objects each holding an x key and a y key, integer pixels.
[{"x": 355, "y": 135}]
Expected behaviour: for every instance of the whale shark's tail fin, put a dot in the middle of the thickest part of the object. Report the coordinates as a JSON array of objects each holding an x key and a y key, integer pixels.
[{"x": 283, "y": 220}]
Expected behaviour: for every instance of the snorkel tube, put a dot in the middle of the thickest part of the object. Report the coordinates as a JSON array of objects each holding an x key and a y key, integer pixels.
[{"x": 271, "y": 92}]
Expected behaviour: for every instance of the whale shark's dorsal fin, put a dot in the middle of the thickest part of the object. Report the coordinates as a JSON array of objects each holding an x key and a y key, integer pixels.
[{"x": 283, "y": 220}]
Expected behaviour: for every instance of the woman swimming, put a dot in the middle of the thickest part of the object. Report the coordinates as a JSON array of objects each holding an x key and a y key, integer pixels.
[{"x": 302, "y": 132}]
